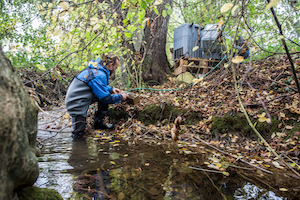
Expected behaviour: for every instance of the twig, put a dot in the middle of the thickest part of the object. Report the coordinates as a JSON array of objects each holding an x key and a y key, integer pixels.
[
  {"x": 206, "y": 170},
  {"x": 212, "y": 182},
  {"x": 163, "y": 109}
]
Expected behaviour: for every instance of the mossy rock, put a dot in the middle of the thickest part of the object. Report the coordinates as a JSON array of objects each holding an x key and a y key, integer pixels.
[
  {"x": 34, "y": 193},
  {"x": 154, "y": 114},
  {"x": 238, "y": 123}
]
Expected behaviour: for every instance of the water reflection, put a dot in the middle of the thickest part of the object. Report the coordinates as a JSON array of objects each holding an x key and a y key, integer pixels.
[
  {"x": 53, "y": 164},
  {"x": 104, "y": 169},
  {"x": 250, "y": 191}
]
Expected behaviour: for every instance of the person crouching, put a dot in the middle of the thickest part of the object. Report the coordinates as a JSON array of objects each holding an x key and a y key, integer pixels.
[{"x": 89, "y": 86}]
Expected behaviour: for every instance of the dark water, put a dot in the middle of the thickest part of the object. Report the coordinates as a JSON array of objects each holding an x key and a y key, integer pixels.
[{"x": 106, "y": 167}]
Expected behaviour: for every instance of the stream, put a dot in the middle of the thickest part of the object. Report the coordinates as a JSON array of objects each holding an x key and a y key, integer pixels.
[{"x": 107, "y": 167}]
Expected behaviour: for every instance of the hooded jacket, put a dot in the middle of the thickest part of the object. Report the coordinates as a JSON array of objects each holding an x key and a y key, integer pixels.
[{"x": 90, "y": 83}]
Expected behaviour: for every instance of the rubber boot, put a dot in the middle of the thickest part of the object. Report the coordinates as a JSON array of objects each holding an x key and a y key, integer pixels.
[
  {"x": 79, "y": 123},
  {"x": 99, "y": 123}
]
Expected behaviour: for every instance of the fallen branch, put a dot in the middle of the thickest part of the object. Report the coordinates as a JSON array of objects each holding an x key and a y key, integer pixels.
[{"x": 213, "y": 183}]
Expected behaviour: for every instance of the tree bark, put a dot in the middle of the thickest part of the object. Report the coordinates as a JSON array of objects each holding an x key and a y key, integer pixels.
[{"x": 156, "y": 65}]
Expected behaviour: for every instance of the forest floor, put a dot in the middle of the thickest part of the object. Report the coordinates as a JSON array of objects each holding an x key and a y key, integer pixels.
[{"x": 207, "y": 118}]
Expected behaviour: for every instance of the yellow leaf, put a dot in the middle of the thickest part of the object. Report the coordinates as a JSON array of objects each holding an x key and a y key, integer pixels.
[
  {"x": 237, "y": 59},
  {"x": 218, "y": 165},
  {"x": 268, "y": 120},
  {"x": 64, "y": 5},
  {"x": 281, "y": 37},
  {"x": 225, "y": 173},
  {"x": 195, "y": 48},
  {"x": 112, "y": 162},
  {"x": 207, "y": 163},
  {"x": 66, "y": 116},
  {"x": 282, "y": 114},
  {"x": 271, "y": 4},
  {"x": 261, "y": 115},
  {"x": 221, "y": 22},
  {"x": 293, "y": 164},
  {"x": 283, "y": 189},
  {"x": 234, "y": 9},
  {"x": 226, "y": 7},
  {"x": 262, "y": 119}
]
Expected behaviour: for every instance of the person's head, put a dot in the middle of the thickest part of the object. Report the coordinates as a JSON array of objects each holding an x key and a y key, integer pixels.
[{"x": 111, "y": 62}]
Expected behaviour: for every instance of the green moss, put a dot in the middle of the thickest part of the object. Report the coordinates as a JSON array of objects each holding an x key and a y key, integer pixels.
[
  {"x": 154, "y": 114},
  {"x": 34, "y": 193},
  {"x": 238, "y": 123}
]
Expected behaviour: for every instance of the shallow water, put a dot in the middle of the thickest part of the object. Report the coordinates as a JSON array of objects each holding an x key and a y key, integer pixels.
[{"x": 106, "y": 167}]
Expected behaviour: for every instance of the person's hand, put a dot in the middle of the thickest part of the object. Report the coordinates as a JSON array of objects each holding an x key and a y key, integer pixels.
[
  {"x": 124, "y": 95},
  {"x": 116, "y": 90}
]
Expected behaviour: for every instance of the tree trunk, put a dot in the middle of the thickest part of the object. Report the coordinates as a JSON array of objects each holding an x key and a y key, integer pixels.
[{"x": 156, "y": 65}]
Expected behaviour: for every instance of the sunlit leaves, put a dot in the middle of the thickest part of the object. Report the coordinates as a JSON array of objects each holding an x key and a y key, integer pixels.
[
  {"x": 40, "y": 67},
  {"x": 143, "y": 4},
  {"x": 234, "y": 9},
  {"x": 94, "y": 20},
  {"x": 64, "y": 5},
  {"x": 156, "y": 10},
  {"x": 271, "y": 4},
  {"x": 158, "y": 2},
  {"x": 226, "y": 7}
]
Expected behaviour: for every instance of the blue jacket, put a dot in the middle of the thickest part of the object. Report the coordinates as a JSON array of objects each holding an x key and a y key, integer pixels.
[{"x": 96, "y": 76}]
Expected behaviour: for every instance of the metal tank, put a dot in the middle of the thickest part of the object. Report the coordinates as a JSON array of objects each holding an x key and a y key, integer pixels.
[{"x": 187, "y": 36}]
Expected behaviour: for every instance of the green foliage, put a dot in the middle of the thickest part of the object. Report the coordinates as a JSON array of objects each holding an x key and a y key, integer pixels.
[{"x": 69, "y": 33}]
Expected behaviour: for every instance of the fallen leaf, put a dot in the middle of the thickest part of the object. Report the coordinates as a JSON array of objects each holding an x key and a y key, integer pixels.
[
  {"x": 238, "y": 59},
  {"x": 283, "y": 189}
]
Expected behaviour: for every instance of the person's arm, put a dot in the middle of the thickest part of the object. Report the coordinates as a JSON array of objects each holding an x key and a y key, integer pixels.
[{"x": 114, "y": 98}]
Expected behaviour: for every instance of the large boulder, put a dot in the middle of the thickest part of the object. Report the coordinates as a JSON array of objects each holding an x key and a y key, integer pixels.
[{"x": 18, "y": 128}]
